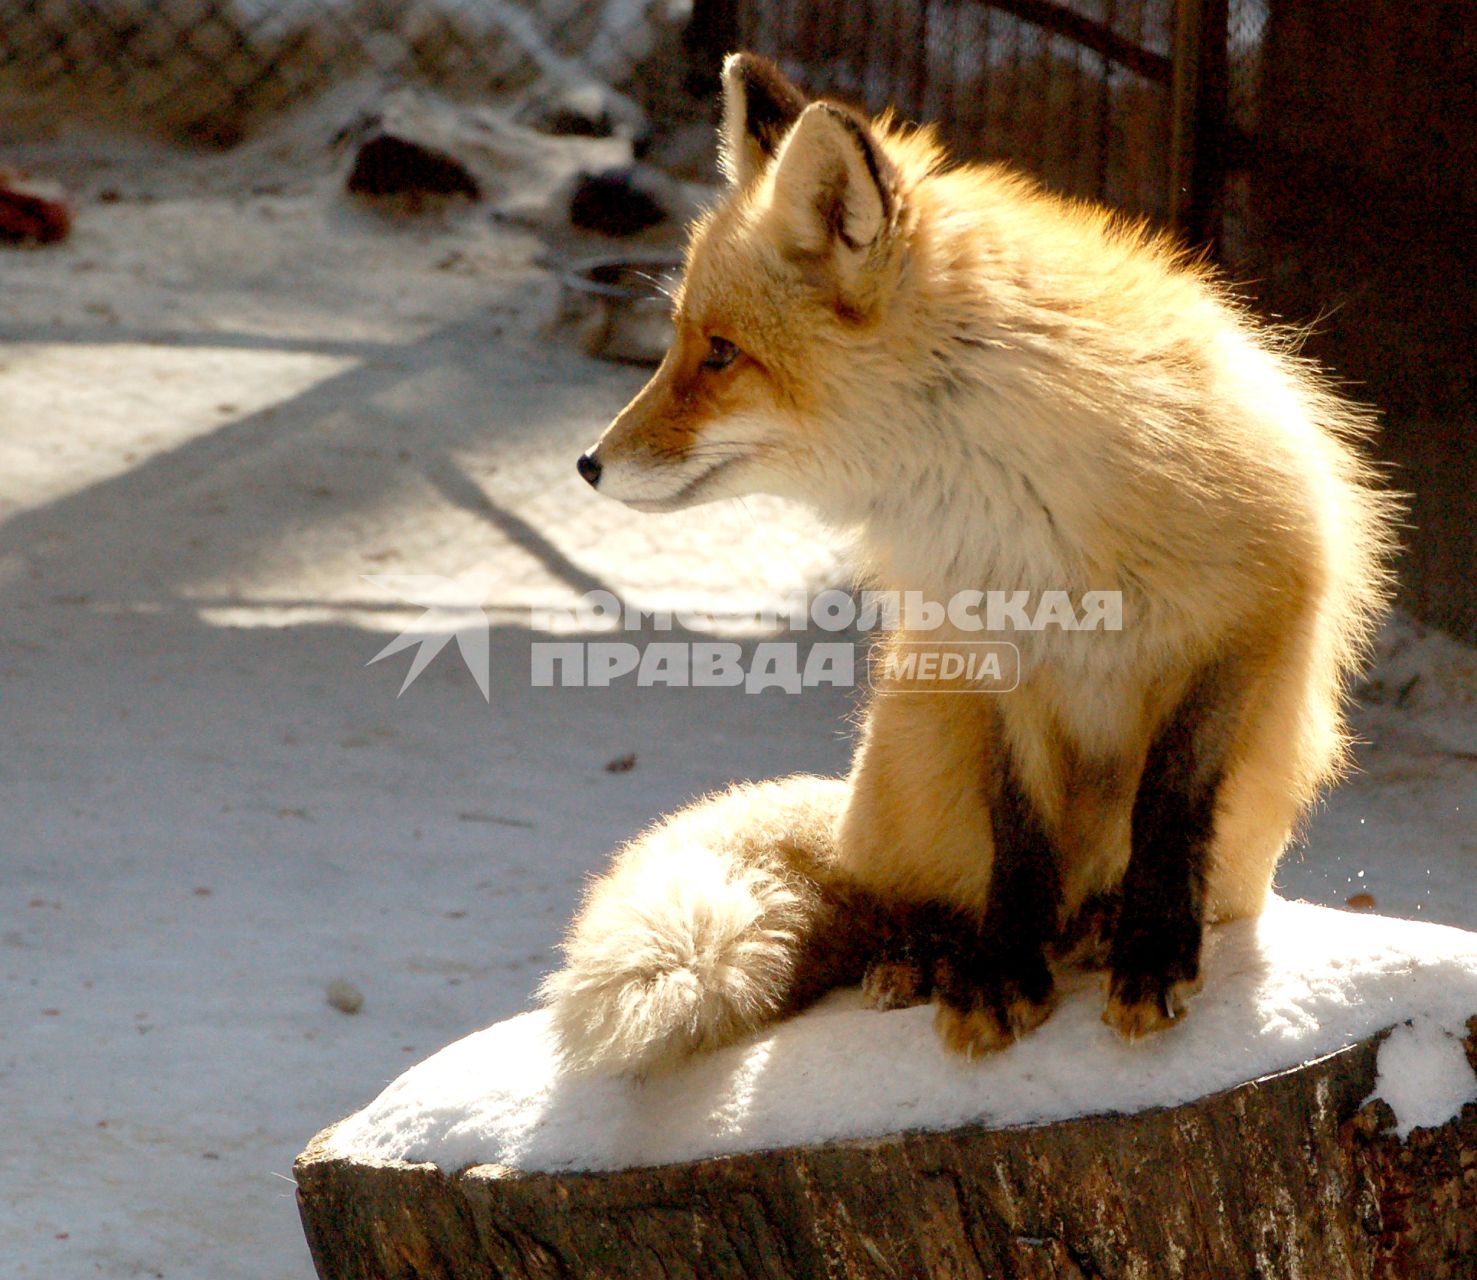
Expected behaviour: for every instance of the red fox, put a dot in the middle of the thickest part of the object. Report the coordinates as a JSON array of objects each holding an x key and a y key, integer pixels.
[{"x": 990, "y": 387}]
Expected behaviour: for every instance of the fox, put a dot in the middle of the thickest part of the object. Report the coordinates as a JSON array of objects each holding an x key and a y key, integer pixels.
[{"x": 985, "y": 385}]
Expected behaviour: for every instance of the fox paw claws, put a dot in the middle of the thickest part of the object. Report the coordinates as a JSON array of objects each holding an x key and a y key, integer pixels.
[
  {"x": 1140, "y": 1006},
  {"x": 988, "y": 1028}
]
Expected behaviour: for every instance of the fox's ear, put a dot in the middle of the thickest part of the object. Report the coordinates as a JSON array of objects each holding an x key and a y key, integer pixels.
[
  {"x": 836, "y": 196},
  {"x": 759, "y": 106}
]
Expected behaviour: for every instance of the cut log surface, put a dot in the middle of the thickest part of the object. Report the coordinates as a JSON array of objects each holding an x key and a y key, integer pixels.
[{"x": 1300, "y": 1172}]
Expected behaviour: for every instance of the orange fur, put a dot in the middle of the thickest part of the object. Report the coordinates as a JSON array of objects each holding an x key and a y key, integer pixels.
[{"x": 995, "y": 388}]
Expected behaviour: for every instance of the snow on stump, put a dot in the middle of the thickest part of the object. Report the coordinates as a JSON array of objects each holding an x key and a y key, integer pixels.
[{"x": 1315, "y": 1116}]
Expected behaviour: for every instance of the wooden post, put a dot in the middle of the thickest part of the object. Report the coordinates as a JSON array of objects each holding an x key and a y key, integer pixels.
[
  {"x": 1199, "y": 124},
  {"x": 715, "y": 29}
]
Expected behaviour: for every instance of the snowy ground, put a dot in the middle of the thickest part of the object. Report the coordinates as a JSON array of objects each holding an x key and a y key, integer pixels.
[{"x": 218, "y": 411}]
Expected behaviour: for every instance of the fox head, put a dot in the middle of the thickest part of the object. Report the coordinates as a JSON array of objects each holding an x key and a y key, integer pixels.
[{"x": 784, "y": 287}]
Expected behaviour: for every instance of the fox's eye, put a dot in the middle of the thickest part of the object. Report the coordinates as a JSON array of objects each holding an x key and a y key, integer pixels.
[{"x": 721, "y": 354}]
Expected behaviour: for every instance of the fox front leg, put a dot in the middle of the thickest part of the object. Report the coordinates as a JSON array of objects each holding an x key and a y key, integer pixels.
[
  {"x": 991, "y": 975},
  {"x": 1155, "y": 958}
]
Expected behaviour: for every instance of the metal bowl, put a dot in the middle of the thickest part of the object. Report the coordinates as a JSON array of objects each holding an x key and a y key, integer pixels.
[{"x": 617, "y": 309}]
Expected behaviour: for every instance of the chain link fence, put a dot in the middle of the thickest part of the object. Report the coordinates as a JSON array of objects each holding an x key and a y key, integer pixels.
[
  {"x": 1078, "y": 91},
  {"x": 212, "y": 69}
]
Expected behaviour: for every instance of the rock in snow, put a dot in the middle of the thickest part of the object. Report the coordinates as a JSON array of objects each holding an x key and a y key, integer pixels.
[
  {"x": 31, "y": 211},
  {"x": 387, "y": 165},
  {"x": 1299, "y": 982}
]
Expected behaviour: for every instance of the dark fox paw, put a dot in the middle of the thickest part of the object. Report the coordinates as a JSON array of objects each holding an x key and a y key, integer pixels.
[
  {"x": 1141, "y": 1004},
  {"x": 895, "y": 984},
  {"x": 976, "y": 1032},
  {"x": 992, "y": 1014}
]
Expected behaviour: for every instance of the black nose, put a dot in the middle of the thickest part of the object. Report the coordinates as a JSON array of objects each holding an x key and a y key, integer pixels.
[{"x": 589, "y": 467}]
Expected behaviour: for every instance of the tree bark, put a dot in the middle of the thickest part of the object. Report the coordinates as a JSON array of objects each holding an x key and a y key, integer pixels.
[{"x": 1289, "y": 1176}]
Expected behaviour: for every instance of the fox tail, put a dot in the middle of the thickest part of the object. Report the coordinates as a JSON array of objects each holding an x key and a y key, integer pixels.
[{"x": 714, "y": 922}]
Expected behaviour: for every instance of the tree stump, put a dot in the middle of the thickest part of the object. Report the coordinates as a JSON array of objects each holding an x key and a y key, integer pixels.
[
  {"x": 1290, "y": 1175},
  {"x": 1276, "y": 1133}
]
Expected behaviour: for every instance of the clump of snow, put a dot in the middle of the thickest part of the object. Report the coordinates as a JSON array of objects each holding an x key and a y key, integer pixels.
[
  {"x": 1424, "y": 1074},
  {"x": 1299, "y": 982}
]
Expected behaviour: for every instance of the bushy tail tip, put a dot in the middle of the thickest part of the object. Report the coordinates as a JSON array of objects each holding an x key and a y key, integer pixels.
[{"x": 671, "y": 958}]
